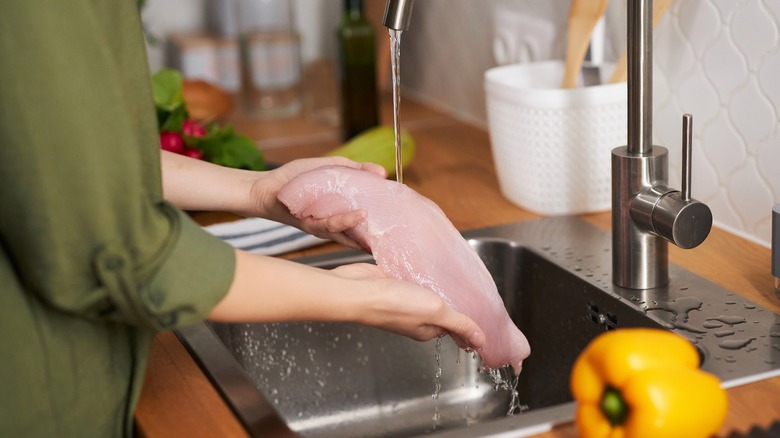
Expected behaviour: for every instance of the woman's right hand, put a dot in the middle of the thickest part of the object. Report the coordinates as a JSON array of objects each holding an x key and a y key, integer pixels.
[
  {"x": 269, "y": 289},
  {"x": 410, "y": 310}
]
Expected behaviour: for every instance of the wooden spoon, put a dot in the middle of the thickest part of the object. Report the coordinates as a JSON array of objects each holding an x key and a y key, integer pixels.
[
  {"x": 620, "y": 74},
  {"x": 583, "y": 16}
]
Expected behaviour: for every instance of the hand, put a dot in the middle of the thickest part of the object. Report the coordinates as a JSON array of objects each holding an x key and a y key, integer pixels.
[
  {"x": 266, "y": 187},
  {"x": 411, "y": 310},
  {"x": 269, "y": 289}
]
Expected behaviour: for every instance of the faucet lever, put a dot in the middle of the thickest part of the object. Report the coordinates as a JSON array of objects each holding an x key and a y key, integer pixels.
[
  {"x": 677, "y": 217},
  {"x": 687, "y": 141}
]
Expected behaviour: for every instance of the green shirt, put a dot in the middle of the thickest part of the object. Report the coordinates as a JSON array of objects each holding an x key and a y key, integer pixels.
[{"x": 93, "y": 261}]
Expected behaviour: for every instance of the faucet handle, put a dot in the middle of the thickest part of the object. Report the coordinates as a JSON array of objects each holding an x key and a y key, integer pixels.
[
  {"x": 677, "y": 217},
  {"x": 687, "y": 141}
]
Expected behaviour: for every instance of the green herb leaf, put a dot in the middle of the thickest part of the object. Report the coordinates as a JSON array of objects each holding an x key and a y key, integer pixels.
[
  {"x": 167, "y": 90},
  {"x": 172, "y": 121},
  {"x": 232, "y": 150},
  {"x": 220, "y": 145}
]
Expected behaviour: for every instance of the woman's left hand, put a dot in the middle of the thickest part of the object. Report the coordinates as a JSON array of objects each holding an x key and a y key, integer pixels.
[{"x": 266, "y": 188}]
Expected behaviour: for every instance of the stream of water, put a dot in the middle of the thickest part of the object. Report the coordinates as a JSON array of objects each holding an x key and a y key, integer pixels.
[
  {"x": 503, "y": 378},
  {"x": 395, "y": 63}
]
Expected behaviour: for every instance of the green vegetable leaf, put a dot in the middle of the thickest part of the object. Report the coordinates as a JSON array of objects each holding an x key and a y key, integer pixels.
[
  {"x": 171, "y": 121},
  {"x": 167, "y": 90},
  {"x": 220, "y": 145},
  {"x": 232, "y": 150}
]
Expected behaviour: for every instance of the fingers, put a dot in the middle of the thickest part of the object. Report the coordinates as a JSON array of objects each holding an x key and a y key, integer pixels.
[
  {"x": 360, "y": 271},
  {"x": 374, "y": 168},
  {"x": 365, "y": 166},
  {"x": 464, "y": 331},
  {"x": 344, "y": 222},
  {"x": 335, "y": 227}
]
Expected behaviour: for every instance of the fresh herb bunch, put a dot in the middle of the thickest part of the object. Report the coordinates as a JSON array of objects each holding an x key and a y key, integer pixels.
[{"x": 183, "y": 135}]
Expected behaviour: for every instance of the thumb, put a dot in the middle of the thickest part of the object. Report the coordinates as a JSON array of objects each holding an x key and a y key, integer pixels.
[{"x": 464, "y": 331}]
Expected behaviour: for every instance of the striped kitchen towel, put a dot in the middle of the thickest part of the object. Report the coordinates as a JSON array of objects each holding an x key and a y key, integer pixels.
[{"x": 263, "y": 236}]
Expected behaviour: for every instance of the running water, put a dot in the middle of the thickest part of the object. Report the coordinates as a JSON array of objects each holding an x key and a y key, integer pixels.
[
  {"x": 395, "y": 62},
  {"x": 503, "y": 378},
  {"x": 437, "y": 383}
]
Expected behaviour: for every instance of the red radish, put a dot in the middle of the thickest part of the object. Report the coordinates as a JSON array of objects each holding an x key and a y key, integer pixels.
[
  {"x": 191, "y": 128},
  {"x": 194, "y": 153},
  {"x": 172, "y": 142}
]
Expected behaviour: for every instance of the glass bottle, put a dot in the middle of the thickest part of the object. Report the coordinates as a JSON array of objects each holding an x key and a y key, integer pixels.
[
  {"x": 357, "y": 70},
  {"x": 270, "y": 58}
]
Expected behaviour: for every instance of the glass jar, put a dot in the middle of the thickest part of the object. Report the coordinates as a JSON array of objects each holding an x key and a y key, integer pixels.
[{"x": 270, "y": 58}]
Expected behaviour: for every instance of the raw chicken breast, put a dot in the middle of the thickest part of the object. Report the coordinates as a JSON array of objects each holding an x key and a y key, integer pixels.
[{"x": 411, "y": 239}]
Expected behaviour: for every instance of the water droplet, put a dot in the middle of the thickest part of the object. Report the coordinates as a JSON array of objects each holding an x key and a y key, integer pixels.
[
  {"x": 730, "y": 320},
  {"x": 735, "y": 344},
  {"x": 687, "y": 327},
  {"x": 750, "y": 306},
  {"x": 723, "y": 333},
  {"x": 437, "y": 373},
  {"x": 679, "y": 307}
]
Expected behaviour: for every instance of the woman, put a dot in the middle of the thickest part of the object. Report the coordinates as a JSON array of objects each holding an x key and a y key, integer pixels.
[{"x": 95, "y": 256}]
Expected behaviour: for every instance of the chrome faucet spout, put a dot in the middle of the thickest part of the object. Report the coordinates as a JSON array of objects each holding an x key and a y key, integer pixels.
[
  {"x": 640, "y": 77},
  {"x": 397, "y": 14},
  {"x": 646, "y": 213}
]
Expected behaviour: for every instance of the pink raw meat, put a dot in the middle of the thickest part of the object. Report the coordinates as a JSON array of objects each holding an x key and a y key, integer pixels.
[{"x": 411, "y": 239}]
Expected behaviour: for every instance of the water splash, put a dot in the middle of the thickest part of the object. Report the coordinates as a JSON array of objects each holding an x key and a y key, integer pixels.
[{"x": 506, "y": 379}]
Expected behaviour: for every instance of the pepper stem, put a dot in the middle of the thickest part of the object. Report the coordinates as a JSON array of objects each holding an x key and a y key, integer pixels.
[{"x": 613, "y": 406}]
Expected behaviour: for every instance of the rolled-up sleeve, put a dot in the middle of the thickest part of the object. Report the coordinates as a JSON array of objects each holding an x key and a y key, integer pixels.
[
  {"x": 177, "y": 287},
  {"x": 82, "y": 217}
]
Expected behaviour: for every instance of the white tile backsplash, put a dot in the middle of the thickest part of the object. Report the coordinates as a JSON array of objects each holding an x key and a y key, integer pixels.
[{"x": 716, "y": 59}]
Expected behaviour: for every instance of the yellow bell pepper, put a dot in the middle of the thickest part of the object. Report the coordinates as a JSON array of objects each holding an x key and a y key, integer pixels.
[{"x": 645, "y": 383}]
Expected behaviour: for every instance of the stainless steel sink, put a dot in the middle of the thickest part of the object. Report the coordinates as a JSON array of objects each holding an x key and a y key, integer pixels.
[{"x": 341, "y": 380}]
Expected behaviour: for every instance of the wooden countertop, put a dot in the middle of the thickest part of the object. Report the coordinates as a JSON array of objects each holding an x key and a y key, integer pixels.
[{"x": 178, "y": 400}]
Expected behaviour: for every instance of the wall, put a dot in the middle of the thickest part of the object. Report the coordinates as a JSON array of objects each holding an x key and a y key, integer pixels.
[{"x": 717, "y": 59}]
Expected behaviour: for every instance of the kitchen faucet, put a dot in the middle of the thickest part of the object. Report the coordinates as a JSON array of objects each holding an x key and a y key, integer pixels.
[
  {"x": 397, "y": 14},
  {"x": 646, "y": 213}
]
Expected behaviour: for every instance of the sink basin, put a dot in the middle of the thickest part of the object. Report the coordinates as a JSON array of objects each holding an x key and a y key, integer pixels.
[{"x": 554, "y": 275}]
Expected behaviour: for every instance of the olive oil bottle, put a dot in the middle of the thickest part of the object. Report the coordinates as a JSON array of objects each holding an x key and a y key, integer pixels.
[{"x": 357, "y": 71}]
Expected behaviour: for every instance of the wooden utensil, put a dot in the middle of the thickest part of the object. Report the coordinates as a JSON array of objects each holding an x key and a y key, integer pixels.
[
  {"x": 583, "y": 16},
  {"x": 620, "y": 74}
]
